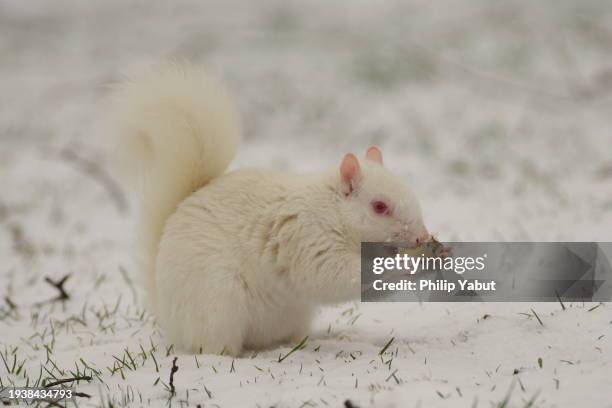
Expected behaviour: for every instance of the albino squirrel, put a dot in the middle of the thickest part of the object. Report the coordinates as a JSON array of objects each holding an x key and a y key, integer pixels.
[{"x": 242, "y": 259}]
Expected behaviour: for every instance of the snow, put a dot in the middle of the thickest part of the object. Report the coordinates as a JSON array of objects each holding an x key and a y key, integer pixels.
[{"x": 496, "y": 113}]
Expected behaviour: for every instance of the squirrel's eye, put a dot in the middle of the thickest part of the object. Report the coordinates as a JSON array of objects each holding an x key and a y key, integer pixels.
[{"x": 380, "y": 207}]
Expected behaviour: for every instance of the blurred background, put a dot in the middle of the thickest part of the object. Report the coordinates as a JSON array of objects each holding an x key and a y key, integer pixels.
[{"x": 497, "y": 113}]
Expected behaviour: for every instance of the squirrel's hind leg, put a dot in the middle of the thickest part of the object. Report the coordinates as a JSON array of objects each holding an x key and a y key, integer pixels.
[
  {"x": 221, "y": 328},
  {"x": 200, "y": 319},
  {"x": 301, "y": 325},
  {"x": 279, "y": 326}
]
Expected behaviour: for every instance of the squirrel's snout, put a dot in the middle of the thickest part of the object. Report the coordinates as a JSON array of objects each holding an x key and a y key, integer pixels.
[
  {"x": 417, "y": 236},
  {"x": 423, "y": 237}
]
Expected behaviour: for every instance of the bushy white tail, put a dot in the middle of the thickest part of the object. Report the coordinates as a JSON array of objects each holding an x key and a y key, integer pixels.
[{"x": 174, "y": 129}]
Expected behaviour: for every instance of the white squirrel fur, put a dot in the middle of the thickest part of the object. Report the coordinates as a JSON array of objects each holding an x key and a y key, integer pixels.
[{"x": 241, "y": 259}]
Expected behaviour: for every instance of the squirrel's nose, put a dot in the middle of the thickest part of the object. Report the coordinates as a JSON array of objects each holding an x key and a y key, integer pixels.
[
  {"x": 417, "y": 236},
  {"x": 423, "y": 236}
]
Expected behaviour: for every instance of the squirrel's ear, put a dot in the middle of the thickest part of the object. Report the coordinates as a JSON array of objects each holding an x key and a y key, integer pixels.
[
  {"x": 374, "y": 154},
  {"x": 350, "y": 172}
]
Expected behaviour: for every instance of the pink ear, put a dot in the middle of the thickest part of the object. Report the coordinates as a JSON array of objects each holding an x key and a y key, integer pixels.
[
  {"x": 349, "y": 172},
  {"x": 374, "y": 154}
]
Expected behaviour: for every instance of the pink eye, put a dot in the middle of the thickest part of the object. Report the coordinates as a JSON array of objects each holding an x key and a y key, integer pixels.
[{"x": 380, "y": 207}]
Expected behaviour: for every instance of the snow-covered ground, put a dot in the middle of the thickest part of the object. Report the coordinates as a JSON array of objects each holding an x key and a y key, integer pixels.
[{"x": 498, "y": 113}]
